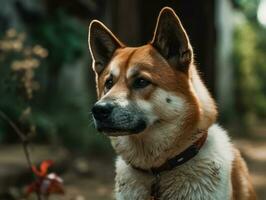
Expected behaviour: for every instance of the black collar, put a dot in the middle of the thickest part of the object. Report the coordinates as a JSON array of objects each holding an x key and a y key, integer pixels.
[{"x": 179, "y": 159}]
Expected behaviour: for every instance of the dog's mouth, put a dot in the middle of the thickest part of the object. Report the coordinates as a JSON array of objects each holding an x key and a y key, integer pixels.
[
  {"x": 111, "y": 129},
  {"x": 114, "y": 120}
]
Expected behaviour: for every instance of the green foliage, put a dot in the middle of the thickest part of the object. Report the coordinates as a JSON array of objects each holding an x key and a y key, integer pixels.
[
  {"x": 249, "y": 58},
  {"x": 59, "y": 107},
  {"x": 64, "y": 37},
  {"x": 19, "y": 61},
  {"x": 248, "y": 8}
]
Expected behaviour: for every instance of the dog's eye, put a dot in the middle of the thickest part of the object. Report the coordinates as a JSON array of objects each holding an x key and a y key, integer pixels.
[
  {"x": 141, "y": 83},
  {"x": 109, "y": 83}
]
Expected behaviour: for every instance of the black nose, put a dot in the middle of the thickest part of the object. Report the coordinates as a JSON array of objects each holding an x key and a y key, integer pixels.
[{"x": 102, "y": 110}]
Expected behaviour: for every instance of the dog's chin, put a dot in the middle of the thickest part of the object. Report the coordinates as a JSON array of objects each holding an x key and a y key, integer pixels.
[{"x": 118, "y": 131}]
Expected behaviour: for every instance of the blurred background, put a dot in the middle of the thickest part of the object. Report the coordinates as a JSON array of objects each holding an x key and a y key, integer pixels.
[{"x": 47, "y": 86}]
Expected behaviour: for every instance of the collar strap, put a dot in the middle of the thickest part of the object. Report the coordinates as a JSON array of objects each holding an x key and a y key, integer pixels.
[{"x": 179, "y": 159}]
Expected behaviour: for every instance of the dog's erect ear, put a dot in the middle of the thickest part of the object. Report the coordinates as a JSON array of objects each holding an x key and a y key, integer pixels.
[
  {"x": 171, "y": 40},
  {"x": 102, "y": 44}
]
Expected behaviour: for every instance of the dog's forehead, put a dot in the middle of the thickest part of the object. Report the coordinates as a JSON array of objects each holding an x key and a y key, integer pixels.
[
  {"x": 130, "y": 60},
  {"x": 120, "y": 61}
]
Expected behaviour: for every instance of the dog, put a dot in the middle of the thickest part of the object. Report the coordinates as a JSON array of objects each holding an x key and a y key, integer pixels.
[{"x": 161, "y": 119}]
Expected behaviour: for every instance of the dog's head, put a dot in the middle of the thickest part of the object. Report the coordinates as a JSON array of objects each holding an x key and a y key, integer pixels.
[{"x": 154, "y": 84}]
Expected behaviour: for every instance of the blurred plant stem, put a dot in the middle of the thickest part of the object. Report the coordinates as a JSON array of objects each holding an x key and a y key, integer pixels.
[{"x": 25, "y": 144}]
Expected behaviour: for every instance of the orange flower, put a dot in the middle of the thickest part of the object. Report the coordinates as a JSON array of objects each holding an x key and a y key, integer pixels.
[{"x": 46, "y": 183}]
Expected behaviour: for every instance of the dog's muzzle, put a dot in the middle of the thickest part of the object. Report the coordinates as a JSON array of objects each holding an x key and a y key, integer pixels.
[{"x": 115, "y": 120}]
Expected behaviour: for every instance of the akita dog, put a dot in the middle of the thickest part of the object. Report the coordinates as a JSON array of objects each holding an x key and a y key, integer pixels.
[{"x": 161, "y": 119}]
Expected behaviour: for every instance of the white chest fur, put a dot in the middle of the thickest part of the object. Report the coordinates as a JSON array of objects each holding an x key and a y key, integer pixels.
[{"x": 206, "y": 176}]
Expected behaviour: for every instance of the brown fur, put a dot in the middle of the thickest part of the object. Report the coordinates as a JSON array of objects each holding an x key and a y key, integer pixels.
[
  {"x": 147, "y": 61},
  {"x": 176, "y": 75},
  {"x": 242, "y": 187}
]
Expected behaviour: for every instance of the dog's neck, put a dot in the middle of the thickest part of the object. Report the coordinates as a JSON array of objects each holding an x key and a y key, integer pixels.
[
  {"x": 153, "y": 148},
  {"x": 179, "y": 159}
]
